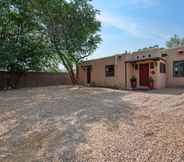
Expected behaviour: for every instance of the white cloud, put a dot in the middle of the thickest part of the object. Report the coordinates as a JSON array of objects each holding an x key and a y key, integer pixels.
[
  {"x": 133, "y": 27},
  {"x": 122, "y": 23},
  {"x": 144, "y": 3}
]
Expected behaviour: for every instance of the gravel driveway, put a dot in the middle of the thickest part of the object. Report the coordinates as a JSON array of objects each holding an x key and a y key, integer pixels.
[{"x": 78, "y": 124}]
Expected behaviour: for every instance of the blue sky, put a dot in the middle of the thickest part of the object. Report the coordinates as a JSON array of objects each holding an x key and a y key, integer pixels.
[{"x": 133, "y": 24}]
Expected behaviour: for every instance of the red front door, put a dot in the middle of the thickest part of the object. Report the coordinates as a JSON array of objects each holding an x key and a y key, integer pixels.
[{"x": 144, "y": 74}]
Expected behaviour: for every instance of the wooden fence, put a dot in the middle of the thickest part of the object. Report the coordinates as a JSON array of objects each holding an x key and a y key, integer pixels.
[{"x": 32, "y": 79}]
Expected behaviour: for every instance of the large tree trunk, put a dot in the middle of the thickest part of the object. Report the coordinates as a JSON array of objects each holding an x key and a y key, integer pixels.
[
  {"x": 67, "y": 64},
  {"x": 73, "y": 77},
  {"x": 70, "y": 69}
]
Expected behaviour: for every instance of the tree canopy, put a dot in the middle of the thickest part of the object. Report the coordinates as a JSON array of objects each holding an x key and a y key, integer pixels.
[
  {"x": 23, "y": 45},
  {"x": 175, "y": 42},
  {"x": 148, "y": 48},
  {"x": 72, "y": 29},
  {"x": 38, "y": 34}
]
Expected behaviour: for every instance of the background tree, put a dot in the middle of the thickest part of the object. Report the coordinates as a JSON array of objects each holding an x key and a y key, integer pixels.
[
  {"x": 148, "y": 48},
  {"x": 72, "y": 29},
  {"x": 175, "y": 42}
]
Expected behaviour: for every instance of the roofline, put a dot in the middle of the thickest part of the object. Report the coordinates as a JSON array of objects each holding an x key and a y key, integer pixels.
[
  {"x": 134, "y": 52},
  {"x": 102, "y": 58},
  {"x": 148, "y": 59},
  {"x": 177, "y": 48},
  {"x": 147, "y": 50}
]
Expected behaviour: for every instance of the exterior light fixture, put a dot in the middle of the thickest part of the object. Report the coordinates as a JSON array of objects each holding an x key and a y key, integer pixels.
[{"x": 180, "y": 51}]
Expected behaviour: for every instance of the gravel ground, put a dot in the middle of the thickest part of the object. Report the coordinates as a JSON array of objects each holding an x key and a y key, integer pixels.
[{"x": 78, "y": 124}]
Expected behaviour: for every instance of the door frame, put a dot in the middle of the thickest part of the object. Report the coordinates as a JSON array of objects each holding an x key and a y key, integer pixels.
[{"x": 147, "y": 73}]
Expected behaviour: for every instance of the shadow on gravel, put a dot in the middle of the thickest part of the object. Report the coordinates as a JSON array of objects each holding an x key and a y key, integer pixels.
[{"x": 49, "y": 123}]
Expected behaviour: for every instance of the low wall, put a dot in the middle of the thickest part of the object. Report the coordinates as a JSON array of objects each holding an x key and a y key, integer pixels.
[{"x": 32, "y": 79}]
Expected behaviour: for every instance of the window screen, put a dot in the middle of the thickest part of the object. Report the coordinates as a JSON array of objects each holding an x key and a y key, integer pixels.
[
  {"x": 178, "y": 68},
  {"x": 109, "y": 70}
]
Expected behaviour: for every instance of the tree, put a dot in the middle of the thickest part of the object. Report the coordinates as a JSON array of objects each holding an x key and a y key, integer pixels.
[
  {"x": 36, "y": 35},
  {"x": 148, "y": 48},
  {"x": 23, "y": 44},
  {"x": 72, "y": 29},
  {"x": 175, "y": 42}
]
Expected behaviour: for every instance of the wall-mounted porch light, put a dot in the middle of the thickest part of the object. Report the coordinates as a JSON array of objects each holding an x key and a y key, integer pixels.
[
  {"x": 180, "y": 51},
  {"x": 164, "y": 55}
]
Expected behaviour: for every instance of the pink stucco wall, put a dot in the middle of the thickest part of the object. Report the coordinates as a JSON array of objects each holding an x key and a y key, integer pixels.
[
  {"x": 161, "y": 80},
  {"x": 160, "y": 77},
  {"x": 98, "y": 77}
]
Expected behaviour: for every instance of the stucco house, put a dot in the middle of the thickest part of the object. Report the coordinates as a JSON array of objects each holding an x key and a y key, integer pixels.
[{"x": 164, "y": 67}]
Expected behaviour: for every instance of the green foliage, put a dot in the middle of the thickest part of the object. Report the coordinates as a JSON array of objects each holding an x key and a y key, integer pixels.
[
  {"x": 151, "y": 79},
  {"x": 37, "y": 35},
  {"x": 23, "y": 45},
  {"x": 175, "y": 42},
  {"x": 72, "y": 29},
  {"x": 72, "y": 26},
  {"x": 148, "y": 48},
  {"x": 133, "y": 78}
]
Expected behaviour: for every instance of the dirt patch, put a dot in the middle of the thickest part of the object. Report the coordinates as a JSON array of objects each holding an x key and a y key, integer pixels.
[{"x": 64, "y": 123}]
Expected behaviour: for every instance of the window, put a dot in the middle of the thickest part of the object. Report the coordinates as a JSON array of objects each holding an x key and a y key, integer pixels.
[
  {"x": 178, "y": 69},
  {"x": 109, "y": 70},
  {"x": 162, "y": 68},
  {"x": 136, "y": 66},
  {"x": 152, "y": 65}
]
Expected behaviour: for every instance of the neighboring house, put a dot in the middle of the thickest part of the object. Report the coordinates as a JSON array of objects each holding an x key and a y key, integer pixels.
[{"x": 165, "y": 67}]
